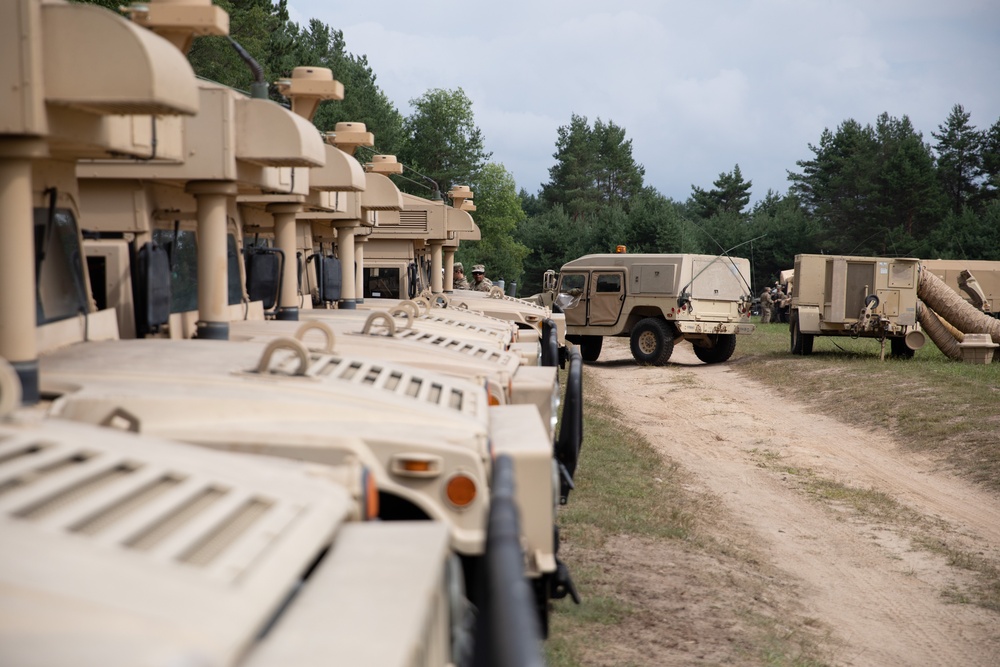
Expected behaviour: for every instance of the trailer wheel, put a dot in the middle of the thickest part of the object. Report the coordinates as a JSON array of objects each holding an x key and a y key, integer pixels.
[
  {"x": 652, "y": 342},
  {"x": 900, "y": 349},
  {"x": 801, "y": 343},
  {"x": 590, "y": 347},
  {"x": 723, "y": 348}
]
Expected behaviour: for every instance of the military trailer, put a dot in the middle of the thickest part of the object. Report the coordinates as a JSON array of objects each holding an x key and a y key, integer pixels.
[
  {"x": 861, "y": 297},
  {"x": 978, "y": 281},
  {"x": 657, "y": 301}
]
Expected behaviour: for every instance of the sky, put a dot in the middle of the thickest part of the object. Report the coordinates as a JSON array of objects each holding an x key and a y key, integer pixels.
[{"x": 698, "y": 85}]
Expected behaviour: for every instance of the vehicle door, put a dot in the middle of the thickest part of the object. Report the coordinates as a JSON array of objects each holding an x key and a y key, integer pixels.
[
  {"x": 607, "y": 294},
  {"x": 575, "y": 286}
]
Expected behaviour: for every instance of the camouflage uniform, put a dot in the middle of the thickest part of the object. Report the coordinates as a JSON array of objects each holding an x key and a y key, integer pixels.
[
  {"x": 766, "y": 306},
  {"x": 781, "y": 303},
  {"x": 459, "y": 280},
  {"x": 481, "y": 285}
]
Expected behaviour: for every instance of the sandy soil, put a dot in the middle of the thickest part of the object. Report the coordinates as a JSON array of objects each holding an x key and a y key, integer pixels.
[{"x": 855, "y": 587}]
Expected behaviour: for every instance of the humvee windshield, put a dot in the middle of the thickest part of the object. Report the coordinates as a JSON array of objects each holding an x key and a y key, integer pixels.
[
  {"x": 382, "y": 283},
  {"x": 182, "y": 247},
  {"x": 61, "y": 291},
  {"x": 573, "y": 281}
]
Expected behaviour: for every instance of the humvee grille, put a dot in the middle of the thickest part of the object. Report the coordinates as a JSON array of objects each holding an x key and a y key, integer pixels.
[{"x": 132, "y": 503}]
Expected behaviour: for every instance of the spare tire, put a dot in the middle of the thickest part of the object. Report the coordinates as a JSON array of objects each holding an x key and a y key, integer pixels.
[{"x": 723, "y": 348}]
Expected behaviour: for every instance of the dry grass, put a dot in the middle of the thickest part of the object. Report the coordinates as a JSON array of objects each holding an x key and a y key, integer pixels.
[
  {"x": 627, "y": 492},
  {"x": 929, "y": 403},
  {"x": 625, "y": 488}
]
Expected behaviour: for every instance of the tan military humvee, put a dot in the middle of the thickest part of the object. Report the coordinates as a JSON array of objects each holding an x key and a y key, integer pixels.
[
  {"x": 165, "y": 552},
  {"x": 99, "y": 71},
  {"x": 656, "y": 300},
  {"x": 867, "y": 297}
]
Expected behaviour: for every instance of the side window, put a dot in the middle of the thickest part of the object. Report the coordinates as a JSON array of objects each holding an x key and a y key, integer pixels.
[
  {"x": 573, "y": 281},
  {"x": 182, "y": 248},
  {"x": 58, "y": 266},
  {"x": 609, "y": 282}
]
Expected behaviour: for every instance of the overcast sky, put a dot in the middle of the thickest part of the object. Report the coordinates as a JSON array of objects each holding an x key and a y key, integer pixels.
[{"x": 699, "y": 86}]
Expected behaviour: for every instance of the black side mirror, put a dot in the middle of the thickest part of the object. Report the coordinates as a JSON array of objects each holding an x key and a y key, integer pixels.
[
  {"x": 152, "y": 290},
  {"x": 328, "y": 278},
  {"x": 264, "y": 267}
]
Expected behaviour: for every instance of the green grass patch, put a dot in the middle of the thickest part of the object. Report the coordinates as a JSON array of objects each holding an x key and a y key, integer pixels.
[{"x": 625, "y": 487}]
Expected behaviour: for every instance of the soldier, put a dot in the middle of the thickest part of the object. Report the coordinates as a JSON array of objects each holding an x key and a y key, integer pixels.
[
  {"x": 481, "y": 282},
  {"x": 766, "y": 304},
  {"x": 459, "y": 281},
  {"x": 781, "y": 302}
]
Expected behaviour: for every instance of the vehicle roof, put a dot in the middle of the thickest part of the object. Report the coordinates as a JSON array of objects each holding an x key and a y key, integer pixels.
[
  {"x": 620, "y": 259},
  {"x": 123, "y": 573}
]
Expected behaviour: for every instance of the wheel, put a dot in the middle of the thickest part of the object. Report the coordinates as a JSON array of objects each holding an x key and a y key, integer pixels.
[
  {"x": 652, "y": 342},
  {"x": 590, "y": 347},
  {"x": 900, "y": 348},
  {"x": 723, "y": 348},
  {"x": 801, "y": 343}
]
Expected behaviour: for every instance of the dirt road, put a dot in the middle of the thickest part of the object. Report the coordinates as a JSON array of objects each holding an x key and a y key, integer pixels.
[{"x": 870, "y": 595}]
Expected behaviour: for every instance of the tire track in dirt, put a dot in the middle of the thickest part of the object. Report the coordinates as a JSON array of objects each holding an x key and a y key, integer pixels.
[{"x": 881, "y": 598}]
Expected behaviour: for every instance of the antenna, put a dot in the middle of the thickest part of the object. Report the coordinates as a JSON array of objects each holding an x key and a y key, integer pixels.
[{"x": 724, "y": 252}]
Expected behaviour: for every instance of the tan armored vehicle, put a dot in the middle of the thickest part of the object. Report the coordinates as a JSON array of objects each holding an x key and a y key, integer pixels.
[
  {"x": 861, "y": 297},
  {"x": 47, "y": 129},
  {"x": 167, "y": 553},
  {"x": 655, "y": 300}
]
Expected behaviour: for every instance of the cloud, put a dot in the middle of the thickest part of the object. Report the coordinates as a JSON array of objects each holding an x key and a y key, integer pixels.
[{"x": 698, "y": 87}]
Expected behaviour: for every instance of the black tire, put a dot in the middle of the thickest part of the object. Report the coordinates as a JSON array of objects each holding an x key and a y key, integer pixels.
[
  {"x": 801, "y": 343},
  {"x": 590, "y": 347},
  {"x": 652, "y": 342},
  {"x": 899, "y": 348},
  {"x": 723, "y": 346}
]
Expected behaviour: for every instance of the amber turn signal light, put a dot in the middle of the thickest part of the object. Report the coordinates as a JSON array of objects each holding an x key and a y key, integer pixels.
[{"x": 461, "y": 490}]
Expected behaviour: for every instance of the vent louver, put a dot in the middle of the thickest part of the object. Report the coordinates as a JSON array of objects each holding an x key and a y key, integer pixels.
[{"x": 137, "y": 505}]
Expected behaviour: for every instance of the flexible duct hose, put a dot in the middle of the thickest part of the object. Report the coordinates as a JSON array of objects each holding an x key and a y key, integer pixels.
[
  {"x": 937, "y": 332},
  {"x": 953, "y": 308}
]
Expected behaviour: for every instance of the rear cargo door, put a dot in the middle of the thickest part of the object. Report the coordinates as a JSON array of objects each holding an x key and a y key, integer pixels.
[
  {"x": 607, "y": 294},
  {"x": 716, "y": 288}
]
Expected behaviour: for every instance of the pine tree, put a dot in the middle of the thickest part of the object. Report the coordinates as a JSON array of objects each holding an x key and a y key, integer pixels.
[
  {"x": 960, "y": 164},
  {"x": 441, "y": 139},
  {"x": 594, "y": 168},
  {"x": 364, "y": 102},
  {"x": 731, "y": 195}
]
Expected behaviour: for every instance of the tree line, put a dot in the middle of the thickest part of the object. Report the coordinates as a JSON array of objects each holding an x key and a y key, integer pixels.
[{"x": 873, "y": 189}]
